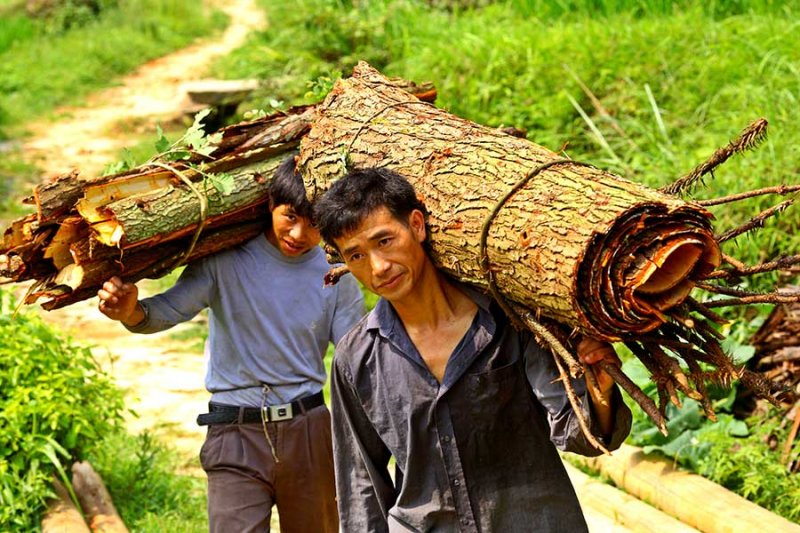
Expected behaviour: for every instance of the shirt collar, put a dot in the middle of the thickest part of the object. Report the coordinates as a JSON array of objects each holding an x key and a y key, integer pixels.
[{"x": 384, "y": 319}]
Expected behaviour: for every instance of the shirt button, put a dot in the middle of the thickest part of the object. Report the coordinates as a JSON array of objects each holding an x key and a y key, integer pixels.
[
  {"x": 465, "y": 521},
  {"x": 446, "y": 438},
  {"x": 457, "y": 483}
]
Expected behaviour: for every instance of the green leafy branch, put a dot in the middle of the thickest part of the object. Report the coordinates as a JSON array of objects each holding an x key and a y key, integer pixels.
[{"x": 195, "y": 141}]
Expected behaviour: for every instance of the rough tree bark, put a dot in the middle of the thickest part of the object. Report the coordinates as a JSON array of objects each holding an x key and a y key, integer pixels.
[{"x": 586, "y": 248}]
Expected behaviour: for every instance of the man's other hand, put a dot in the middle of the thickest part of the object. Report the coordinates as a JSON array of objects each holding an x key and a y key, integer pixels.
[{"x": 120, "y": 301}]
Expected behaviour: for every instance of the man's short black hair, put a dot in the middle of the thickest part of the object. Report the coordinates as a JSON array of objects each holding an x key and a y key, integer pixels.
[
  {"x": 351, "y": 199},
  {"x": 287, "y": 188}
]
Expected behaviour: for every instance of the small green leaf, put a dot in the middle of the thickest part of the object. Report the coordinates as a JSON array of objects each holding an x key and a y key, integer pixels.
[
  {"x": 254, "y": 114},
  {"x": 177, "y": 155},
  {"x": 222, "y": 182},
  {"x": 114, "y": 168},
  {"x": 162, "y": 143},
  {"x": 198, "y": 118}
]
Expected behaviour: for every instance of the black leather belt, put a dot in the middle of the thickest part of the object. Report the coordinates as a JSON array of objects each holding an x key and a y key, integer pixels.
[{"x": 231, "y": 414}]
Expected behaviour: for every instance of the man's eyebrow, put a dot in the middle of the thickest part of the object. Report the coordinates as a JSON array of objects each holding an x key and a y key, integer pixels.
[
  {"x": 378, "y": 235},
  {"x": 350, "y": 249}
]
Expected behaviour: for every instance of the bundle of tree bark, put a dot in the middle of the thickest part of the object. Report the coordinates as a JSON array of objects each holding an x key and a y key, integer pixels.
[
  {"x": 554, "y": 238},
  {"x": 144, "y": 222},
  {"x": 564, "y": 247}
]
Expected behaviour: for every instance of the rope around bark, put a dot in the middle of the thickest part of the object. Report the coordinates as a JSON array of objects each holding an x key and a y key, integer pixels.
[{"x": 201, "y": 219}]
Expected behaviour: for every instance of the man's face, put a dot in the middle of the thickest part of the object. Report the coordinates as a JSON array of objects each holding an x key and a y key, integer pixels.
[
  {"x": 291, "y": 233},
  {"x": 384, "y": 254}
]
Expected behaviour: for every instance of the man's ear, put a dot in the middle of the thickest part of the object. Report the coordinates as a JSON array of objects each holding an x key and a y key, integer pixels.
[{"x": 416, "y": 221}]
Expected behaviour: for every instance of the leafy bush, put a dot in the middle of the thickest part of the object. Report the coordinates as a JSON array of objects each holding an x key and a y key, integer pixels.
[{"x": 55, "y": 405}]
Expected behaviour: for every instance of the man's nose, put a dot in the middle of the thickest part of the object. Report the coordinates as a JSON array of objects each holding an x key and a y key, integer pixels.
[
  {"x": 379, "y": 264},
  {"x": 298, "y": 231}
]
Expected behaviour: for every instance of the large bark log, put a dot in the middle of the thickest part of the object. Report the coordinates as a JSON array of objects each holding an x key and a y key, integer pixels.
[{"x": 586, "y": 248}]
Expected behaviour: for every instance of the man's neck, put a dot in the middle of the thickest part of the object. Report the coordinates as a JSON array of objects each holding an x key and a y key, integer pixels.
[
  {"x": 435, "y": 300},
  {"x": 436, "y": 315}
]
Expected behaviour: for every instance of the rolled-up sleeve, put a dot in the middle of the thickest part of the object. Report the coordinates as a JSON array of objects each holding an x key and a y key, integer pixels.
[
  {"x": 364, "y": 489},
  {"x": 565, "y": 430}
]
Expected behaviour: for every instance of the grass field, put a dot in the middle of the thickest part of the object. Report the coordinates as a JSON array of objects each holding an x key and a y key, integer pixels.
[{"x": 58, "y": 60}]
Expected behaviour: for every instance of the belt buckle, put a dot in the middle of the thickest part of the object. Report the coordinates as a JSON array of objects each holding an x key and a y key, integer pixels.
[{"x": 280, "y": 412}]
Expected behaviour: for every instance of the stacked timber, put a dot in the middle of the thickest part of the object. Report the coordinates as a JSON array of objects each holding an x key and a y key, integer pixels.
[{"x": 144, "y": 222}]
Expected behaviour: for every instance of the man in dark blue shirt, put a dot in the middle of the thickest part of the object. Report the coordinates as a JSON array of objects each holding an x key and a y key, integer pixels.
[{"x": 437, "y": 378}]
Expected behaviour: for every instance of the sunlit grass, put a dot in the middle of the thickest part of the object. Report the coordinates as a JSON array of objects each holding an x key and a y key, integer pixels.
[{"x": 41, "y": 71}]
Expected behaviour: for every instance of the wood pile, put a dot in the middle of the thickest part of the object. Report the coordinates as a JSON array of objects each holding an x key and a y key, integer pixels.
[
  {"x": 777, "y": 357},
  {"x": 95, "y": 511},
  {"x": 563, "y": 246}
]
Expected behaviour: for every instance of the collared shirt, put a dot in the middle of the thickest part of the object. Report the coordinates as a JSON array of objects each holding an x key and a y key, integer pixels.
[{"x": 476, "y": 452}]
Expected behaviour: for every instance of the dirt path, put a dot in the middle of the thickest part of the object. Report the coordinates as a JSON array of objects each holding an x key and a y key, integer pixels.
[
  {"x": 164, "y": 375},
  {"x": 87, "y": 139}
]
